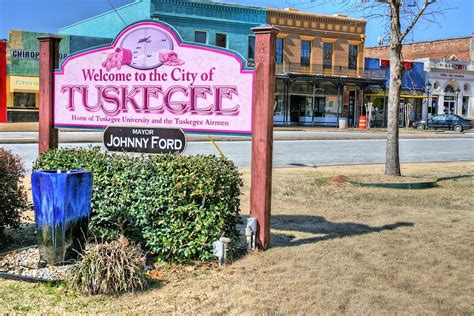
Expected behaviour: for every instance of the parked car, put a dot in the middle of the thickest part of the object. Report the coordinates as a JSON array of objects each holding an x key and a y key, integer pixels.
[{"x": 444, "y": 121}]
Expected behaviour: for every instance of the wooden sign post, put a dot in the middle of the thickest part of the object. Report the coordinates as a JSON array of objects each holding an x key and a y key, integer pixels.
[
  {"x": 49, "y": 61},
  {"x": 262, "y": 131}
]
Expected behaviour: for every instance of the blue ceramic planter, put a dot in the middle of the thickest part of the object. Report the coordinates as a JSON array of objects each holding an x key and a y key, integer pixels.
[{"x": 62, "y": 204}]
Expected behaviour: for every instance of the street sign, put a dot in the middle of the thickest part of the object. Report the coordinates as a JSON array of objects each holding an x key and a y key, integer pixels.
[{"x": 145, "y": 140}]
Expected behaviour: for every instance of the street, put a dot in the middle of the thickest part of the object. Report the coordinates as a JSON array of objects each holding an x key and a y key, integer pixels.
[
  {"x": 314, "y": 152},
  {"x": 81, "y": 136}
]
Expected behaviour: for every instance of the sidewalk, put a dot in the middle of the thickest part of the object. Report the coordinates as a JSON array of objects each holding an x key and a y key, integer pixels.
[
  {"x": 27, "y": 133},
  {"x": 19, "y": 127}
]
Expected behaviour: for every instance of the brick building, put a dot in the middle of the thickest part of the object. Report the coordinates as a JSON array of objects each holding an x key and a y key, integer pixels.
[
  {"x": 462, "y": 48},
  {"x": 449, "y": 68},
  {"x": 320, "y": 68}
]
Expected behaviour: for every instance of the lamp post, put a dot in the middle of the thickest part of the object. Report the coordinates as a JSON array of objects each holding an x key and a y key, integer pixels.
[
  {"x": 456, "y": 111},
  {"x": 428, "y": 101}
]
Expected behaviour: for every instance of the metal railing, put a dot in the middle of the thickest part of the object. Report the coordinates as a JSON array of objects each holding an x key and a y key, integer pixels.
[{"x": 335, "y": 70}]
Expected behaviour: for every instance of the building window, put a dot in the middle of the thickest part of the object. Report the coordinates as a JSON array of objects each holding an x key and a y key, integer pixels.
[
  {"x": 221, "y": 40},
  {"x": 319, "y": 107},
  {"x": 279, "y": 50},
  {"x": 200, "y": 37},
  {"x": 449, "y": 89},
  {"x": 280, "y": 105},
  {"x": 305, "y": 53},
  {"x": 24, "y": 100},
  {"x": 251, "y": 52},
  {"x": 327, "y": 55},
  {"x": 353, "y": 57},
  {"x": 306, "y": 107}
]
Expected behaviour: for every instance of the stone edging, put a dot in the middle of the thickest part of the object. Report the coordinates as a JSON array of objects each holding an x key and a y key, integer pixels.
[{"x": 411, "y": 185}]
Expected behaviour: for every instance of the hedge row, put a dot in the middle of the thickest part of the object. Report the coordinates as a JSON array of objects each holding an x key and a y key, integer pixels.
[
  {"x": 13, "y": 198},
  {"x": 174, "y": 205}
]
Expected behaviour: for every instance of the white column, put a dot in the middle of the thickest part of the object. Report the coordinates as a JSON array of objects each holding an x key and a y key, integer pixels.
[
  {"x": 459, "y": 105},
  {"x": 440, "y": 104},
  {"x": 429, "y": 102},
  {"x": 470, "y": 107},
  {"x": 424, "y": 109}
]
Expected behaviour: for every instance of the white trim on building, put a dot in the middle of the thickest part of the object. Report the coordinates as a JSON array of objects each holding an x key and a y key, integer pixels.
[{"x": 452, "y": 87}]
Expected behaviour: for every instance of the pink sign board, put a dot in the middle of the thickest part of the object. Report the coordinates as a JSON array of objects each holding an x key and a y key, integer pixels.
[{"x": 150, "y": 77}]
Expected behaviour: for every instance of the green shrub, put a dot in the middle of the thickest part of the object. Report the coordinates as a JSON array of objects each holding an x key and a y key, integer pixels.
[
  {"x": 13, "y": 198},
  {"x": 109, "y": 268},
  {"x": 175, "y": 205}
]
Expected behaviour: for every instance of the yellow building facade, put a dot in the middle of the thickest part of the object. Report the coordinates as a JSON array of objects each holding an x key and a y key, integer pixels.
[{"x": 320, "y": 68}]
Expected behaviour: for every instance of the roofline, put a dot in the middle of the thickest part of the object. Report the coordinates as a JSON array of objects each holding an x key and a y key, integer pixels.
[
  {"x": 100, "y": 14},
  {"x": 432, "y": 41},
  {"x": 317, "y": 15},
  {"x": 57, "y": 34},
  {"x": 232, "y": 4}
]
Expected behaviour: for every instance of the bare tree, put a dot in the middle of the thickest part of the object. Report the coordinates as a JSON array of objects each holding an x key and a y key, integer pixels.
[{"x": 398, "y": 17}]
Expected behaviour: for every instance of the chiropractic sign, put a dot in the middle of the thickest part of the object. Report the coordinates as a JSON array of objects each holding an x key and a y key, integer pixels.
[{"x": 149, "y": 78}]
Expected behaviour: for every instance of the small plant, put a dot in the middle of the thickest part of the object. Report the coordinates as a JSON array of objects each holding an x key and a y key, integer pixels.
[
  {"x": 320, "y": 182},
  {"x": 109, "y": 268},
  {"x": 13, "y": 199}
]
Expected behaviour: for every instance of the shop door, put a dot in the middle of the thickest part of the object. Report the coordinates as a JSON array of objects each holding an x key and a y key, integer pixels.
[
  {"x": 295, "y": 107},
  {"x": 319, "y": 107},
  {"x": 449, "y": 105}
]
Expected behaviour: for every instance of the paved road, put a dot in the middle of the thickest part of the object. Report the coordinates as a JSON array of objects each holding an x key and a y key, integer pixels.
[
  {"x": 335, "y": 134},
  {"x": 316, "y": 152}
]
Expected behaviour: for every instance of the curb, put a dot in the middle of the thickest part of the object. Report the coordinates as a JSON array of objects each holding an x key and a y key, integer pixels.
[
  {"x": 410, "y": 186},
  {"x": 400, "y": 186},
  {"x": 241, "y": 139},
  {"x": 16, "y": 277}
]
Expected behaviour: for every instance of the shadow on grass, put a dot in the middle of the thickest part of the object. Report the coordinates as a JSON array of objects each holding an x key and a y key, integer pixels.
[
  {"x": 22, "y": 237},
  {"x": 318, "y": 225}
]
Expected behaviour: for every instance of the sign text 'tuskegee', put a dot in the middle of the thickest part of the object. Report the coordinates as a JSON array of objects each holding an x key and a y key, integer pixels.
[{"x": 149, "y": 77}]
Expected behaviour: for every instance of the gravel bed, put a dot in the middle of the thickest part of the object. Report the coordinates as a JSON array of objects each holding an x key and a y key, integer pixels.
[{"x": 26, "y": 263}]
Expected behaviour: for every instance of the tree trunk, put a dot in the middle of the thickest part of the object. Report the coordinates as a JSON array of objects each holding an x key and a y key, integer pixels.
[{"x": 392, "y": 159}]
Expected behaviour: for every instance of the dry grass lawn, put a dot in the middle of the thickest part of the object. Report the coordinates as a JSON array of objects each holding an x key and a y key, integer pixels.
[{"x": 335, "y": 250}]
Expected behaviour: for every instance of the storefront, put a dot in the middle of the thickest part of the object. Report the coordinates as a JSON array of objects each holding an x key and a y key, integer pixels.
[
  {"x": 450, "y": 83},
  {"x": 22, "y": 99},
  {"x": 21, "y": 89},
  {"x": 411, "y": 106},
  {"x": 313, "y": 100},
  {"x": 412, "y": 94}
]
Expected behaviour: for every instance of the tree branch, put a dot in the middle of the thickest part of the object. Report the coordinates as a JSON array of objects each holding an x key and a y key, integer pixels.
[{"x": 417, "y": 17}]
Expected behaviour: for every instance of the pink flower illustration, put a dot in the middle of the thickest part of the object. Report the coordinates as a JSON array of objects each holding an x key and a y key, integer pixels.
[
  {"x": 170, "y": 58},
  {"x": 120, "y": 57}
]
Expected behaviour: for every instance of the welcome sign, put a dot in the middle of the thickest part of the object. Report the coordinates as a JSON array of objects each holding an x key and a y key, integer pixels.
[{"x": 150, "y": 77}]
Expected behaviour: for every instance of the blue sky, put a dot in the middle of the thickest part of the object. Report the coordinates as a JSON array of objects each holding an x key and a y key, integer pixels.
[{"x": 50, "y": 15}]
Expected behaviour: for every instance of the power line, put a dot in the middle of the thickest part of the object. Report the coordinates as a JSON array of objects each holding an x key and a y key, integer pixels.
[{"x": 113, "y": 8}]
